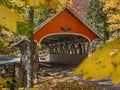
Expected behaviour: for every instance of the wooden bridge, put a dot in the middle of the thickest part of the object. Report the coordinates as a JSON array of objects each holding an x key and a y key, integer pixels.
[{"x": 68, "y": 39}]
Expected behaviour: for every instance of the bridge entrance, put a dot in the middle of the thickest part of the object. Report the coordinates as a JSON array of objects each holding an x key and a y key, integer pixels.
[
  {"x": 68, "y": 38},
  {"x": 67, "y": 48}
]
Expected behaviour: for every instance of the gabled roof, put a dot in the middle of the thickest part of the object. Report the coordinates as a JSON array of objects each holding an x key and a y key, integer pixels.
[{"x": 75, "y": 14}]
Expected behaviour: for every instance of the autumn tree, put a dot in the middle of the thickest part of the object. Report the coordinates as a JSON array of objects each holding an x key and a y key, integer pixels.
[
  {"x": 112, "y": 10},
  {"x": 96, "y": 18},
  {"x": 27, "y": 9},
  {"x": 6, "y": 43},
  {"x": 107, "y": 65},
  {"x": 8, "y": 21}
]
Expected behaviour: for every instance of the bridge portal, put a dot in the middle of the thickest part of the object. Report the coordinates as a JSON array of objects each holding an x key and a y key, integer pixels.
[{"x": 67, "y": 37}]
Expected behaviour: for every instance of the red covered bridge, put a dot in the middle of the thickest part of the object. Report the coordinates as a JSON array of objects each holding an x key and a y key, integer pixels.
[{"x": 68, "y": 39}]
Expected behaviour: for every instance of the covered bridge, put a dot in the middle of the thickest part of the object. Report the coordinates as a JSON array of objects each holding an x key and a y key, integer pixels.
[{"x": 67, "y": 37}]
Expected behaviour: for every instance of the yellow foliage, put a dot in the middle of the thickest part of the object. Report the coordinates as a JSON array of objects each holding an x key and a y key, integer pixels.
[
  {"x": 112, "y": 10},
  {"x": 36, "y": 3},
  {"x": 113, "y": 27},
  {"x": 109, "y": 4},
  {"x": 53, "y": 3},
  {"x": 114, "y": 18},
  {"x": 105, "y": 62},
  {"x": 9, "y": 18},
  {"x": 66, "y": 1},
  {"x": 18, "y": 3},
  {"x": 2, "y": 81}
]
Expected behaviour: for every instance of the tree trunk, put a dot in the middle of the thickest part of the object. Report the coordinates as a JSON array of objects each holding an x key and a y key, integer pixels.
[{"x": 30, "y": 51}]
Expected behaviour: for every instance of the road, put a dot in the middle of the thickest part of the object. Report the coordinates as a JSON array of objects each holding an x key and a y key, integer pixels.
[{"x": 9, "y": 59}]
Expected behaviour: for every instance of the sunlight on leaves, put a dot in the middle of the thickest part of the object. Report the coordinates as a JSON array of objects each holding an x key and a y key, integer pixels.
[
  {"x": 2, "y": 81},
  {"x": 112, "y": 10},
  {"x": 105, "y": 62},
  {"x": 37, "y": 3},
  {"x": 9, "y": 18}
]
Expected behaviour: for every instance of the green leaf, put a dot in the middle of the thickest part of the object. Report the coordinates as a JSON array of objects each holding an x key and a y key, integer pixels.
[{"x": 24, "y": 28}]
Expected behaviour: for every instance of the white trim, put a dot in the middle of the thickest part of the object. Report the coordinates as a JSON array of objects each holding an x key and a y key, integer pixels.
[
  {"x": 37, "y": 42},
  {"x": 95, "y": 39},
  {"x": 63, "y": 34}
]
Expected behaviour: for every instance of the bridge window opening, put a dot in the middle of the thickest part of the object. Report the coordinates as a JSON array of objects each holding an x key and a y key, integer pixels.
[
  {"x": 54, "y": 49},
  {"x": 76, "y": 48},
  {"x": 69, "y": 48},
  {"x": 58, "y": 49},
  {"x": 86, "y": 47}
]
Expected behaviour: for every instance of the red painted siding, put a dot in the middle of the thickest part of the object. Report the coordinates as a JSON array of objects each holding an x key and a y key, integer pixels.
[{"x": 65, "y": 18}]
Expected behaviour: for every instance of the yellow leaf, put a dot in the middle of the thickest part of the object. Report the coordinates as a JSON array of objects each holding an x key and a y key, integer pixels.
[
  {"x": 36, "y": 3},
  {"x": 116, "y": 72},
  {"x": 33, "y": 89},
  {"x": 112, "y": 10},
  {"x": 105, "y": 62},
  {"x": 2, "y": 81},
  {"x": 115, "y": 75},
  {"x": 53, "y": 3},
  {"x": 9, "y": 18}
]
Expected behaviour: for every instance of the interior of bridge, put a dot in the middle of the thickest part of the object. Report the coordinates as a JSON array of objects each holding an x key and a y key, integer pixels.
[{"x": 66, "y": 44}]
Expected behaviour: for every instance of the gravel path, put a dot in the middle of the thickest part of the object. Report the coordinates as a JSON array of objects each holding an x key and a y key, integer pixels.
[{"x": 9, "y": 59}]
